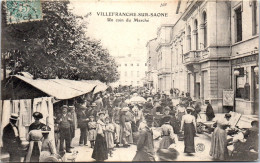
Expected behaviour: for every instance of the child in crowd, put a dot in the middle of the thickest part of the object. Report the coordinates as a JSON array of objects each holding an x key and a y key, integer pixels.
[
  {"x": 117, "y": 132},
  {"x": 109, "y": 135},
  {"x": 92, "y": 131}
]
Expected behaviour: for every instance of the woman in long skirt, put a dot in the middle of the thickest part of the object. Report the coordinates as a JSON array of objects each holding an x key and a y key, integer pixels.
[
  {"x": 218, "y": 149},
  {"x": 100, "y": 152},
  {"x": 34, "y": 137},
  {"x": 188, "y": 124},
  {"x": 167, "y": 132}
]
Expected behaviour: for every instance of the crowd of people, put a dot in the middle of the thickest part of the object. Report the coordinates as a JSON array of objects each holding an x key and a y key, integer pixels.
[{"x": 111, "y": 120}]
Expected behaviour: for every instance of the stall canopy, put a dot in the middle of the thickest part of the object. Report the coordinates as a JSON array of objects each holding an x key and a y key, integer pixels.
[
  {"x": 100, "y": 87},
  {"x": 62, "y": 89}
]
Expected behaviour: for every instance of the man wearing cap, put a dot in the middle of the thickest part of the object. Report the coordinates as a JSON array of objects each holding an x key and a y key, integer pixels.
[
  {"x": 11, "y": 139},
  {"x": 145, "y": 145},
  {"x": 82, "y": 124},
  {"x": 65, "y": 120}
]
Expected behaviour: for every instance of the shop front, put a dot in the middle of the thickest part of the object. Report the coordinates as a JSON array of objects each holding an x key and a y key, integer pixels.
[{"x": 246, "y": 84}]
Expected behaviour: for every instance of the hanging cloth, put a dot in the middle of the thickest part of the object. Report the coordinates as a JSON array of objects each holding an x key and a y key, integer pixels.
[
  {"x": 50, "y": 121},
  {"x": 16, "y": 108},
  {"x": 25, "y": 117},
  {"x": 28, "y": 112},
  {"x": 44, "y": 110},
  {"x": 1, "y": 110},
  {"x": 36, "y": 105},
  {"x": 7, "y": 107}
]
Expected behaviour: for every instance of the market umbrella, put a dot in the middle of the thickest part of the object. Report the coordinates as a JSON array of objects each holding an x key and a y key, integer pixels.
[{"x": 137, "y": 99}]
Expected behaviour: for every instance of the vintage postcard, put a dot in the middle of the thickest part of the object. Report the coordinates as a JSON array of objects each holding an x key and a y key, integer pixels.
[{"x": 129, "y": 81}]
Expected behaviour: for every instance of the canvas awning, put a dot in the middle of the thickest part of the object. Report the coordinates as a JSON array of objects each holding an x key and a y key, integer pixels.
[
  {"x": 61, "y": 89},
  {"x": 100, "y": 87}
]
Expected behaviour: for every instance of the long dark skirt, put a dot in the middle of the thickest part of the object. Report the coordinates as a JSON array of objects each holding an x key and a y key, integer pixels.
[
  {"x": 189, "y": 133},
  {"x": 100, "y": 152},
  {"x": 35, "y": 153}
]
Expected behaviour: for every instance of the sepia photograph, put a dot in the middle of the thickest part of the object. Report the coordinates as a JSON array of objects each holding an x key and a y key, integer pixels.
[{"x": 129, "y": 81}]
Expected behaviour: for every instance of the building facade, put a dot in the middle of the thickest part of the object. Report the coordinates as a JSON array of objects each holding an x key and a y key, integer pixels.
[
  {"x": 244, "y": 55},
  {"x": 152, "y": 59},
  {"x": 164, "y": 37},
  {"x": 212, "y": 47},
  {"x": 132, "y": 71}
]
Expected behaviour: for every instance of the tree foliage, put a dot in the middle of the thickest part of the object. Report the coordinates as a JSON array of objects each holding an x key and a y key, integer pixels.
[{"x": 56, "y": 46}]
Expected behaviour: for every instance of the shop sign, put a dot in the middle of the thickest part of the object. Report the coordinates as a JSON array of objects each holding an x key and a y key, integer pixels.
[
  {"x": 246, "y": 59},
  {"x": 228, "y": 97}
]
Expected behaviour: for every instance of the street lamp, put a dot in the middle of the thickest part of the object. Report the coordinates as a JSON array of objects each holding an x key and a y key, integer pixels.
[
  {"x": 236, "y": 72},
  {"x": 256, "y": 70}
]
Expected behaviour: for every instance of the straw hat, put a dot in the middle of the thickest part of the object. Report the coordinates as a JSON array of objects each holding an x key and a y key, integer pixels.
[
  {"x": 100, "y": 113},
  {"x": 190, "y": 108},
  {"x": 125, "y": 109},
  {"x": 14, "y": 116}
]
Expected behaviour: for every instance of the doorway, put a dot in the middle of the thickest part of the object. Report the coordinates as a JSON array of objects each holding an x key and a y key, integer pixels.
[{"x": 197, "y": 90}]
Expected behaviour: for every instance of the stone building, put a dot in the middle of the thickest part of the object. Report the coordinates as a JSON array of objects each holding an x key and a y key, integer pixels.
[
  {"x": 152, "y": 74},
  {"x": 131, "y": 69},
  {"x": 244, "y": 55},
  {"x": 164, "y": 37},
  {"x": 212, "y": 47}
]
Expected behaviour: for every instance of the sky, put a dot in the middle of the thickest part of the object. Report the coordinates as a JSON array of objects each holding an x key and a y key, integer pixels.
[{"x": 123, "y": 38}]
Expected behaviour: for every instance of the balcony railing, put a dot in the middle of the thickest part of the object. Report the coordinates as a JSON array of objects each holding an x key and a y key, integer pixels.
[{"x": 191, "y": 57}]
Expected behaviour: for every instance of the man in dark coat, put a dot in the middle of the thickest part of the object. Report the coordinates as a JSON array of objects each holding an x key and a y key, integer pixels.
[
  {"x": 209, "y": 111},
  {"x": 145, "y": 145},
  {"x": 65, "y": 121},
  {"x": 82, "y": 124},
  {"x": 11, "y": 139}
]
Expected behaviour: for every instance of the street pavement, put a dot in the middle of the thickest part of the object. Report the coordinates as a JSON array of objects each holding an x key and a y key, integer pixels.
[{"x": 202, "y": 146}]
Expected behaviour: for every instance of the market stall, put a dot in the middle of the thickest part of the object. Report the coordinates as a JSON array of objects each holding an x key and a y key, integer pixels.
[{"x": 24, "y": 95}]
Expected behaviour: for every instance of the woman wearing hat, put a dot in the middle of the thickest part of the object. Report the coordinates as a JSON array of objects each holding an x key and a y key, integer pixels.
[
  {"x": 36, "y": 125},
  {"x": 34, "y": 138},
  {"x": 166, "y": 113},
  {"x": 218, "y": 149},
  {"x": 181, "y": 110},
  {"x": 168, "y": 136},
  {"x": 100, "y": 152},
  {"x": 47, "y": 148},
  {"x": 188, "y": 124}
]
